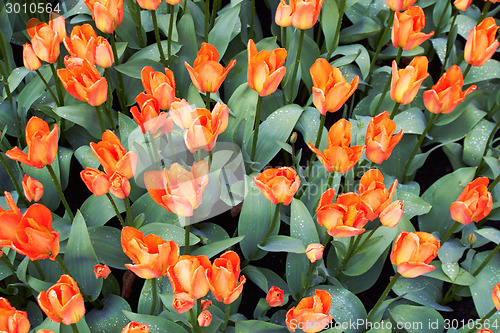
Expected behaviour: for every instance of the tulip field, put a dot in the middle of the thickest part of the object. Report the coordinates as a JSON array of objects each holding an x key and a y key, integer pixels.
[{"x": 204, "y": 166}]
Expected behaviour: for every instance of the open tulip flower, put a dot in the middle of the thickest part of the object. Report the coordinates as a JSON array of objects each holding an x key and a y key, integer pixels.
[
  {"x": 207, "y": 74},
  {"x": 42, "y": 144},
  {"x": 96, "y": 181},
  {"x": 330, "y": 90},
  {"x": 188, "y": 276},
  {"x": 11, "y": 319},
  {"x": 447, "y": 93},
  {"x": 149, "y": 117},
  {"x": 223, "y": 277},
  {"x": 399, "y": 5},
  {"x": 373, "y": 191},
  {"x": 311, "y": 314},
  {"x": 462, "y": 4},
  {"x": 413, "y": 251},
  {"x": 474, "y": 204},
  {"x": 113, "y": 157},
  {"x": 481, "y": 43},
  {"x": 406, "y": 82},
  {"x": 135, "y": 327},
  {"x": 278, "y": 185},
  {"x": 177, "y": 189},
  {"x": 107, "y": 14},
  {"x": 85, "y": 44},
  {"x": 302, "y": 14},
  {"x": 45, "y": 39},
  {"x": 406, "y": 31},
  {"x": 182, "y": 113},
  {"x": 380, "y": 140},
  {"x": 160, "y": 86}
]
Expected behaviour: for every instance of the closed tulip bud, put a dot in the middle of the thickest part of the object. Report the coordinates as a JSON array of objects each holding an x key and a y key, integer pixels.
[
  {"x": 311, "y": 312},
  {"x": 447, "y": 93},
  {"x": 44, "y": 39},
  {"x": 42, "y": 144},
  {"x": 33, "y": 189},
  {"x": 58, "y": 24},
  {"x": 474, "y": 203},
  {"x": 413, "y": 251},
  {"x": 339, "y": 156},
  {"x": 392, "y": 214},
  {"x": 30, "y": 59},
  {"x": 293, "y": 138},
  {"x": 205, "y": 318},
  {"x": 149, "y": 4},
  {"x": 275, "y": 296},
  {"x": 462, "y": 4},
  {"x": 119, "y": 185},
  {"x": 223, "y": 278},
  {"x": 205, "y": 304},
  {"x": 380, "y": 140},
  {"x": 11, "y": 319},
  {"x": 188, "y": 275},
  {"x": 182, "y": 302},
  {"x": 472, "y": 239},
  {"x": 265, "y": 69},
  {"x": 481, "y": 43},
  {"x": 101, "y": 271},
  {"x": 135, "y": 327},
  {"x": 103, "y": 53},
  {"x": 495, "y": 296},
  {"x": 63, "y": 302},
  {"x": 399, "y": 5},
  {"x": 314, "y": 251},
  {"x": 330, "y": 90},
  {"x": 96, "y": 181},
  {"x": 406, "y": 31},
  {"x": 107, "y": 14},
  {"x": 283, "y": 16},
  {"x": 406, "y": 82},
  {"x": 278, "y": 185},
  {"x": 113, "y": 157},
  {"x": 177, "y": 189},
  {"x": 207, "y": 74},
  {"x": 151, "y": 254},
  {"x": 303, "y": 14},
  {"x": 160, "y": 86}
]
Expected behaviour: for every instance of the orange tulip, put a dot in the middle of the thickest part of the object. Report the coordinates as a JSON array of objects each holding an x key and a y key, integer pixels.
[
  {"x": 391, "y": 214},
  {"x": 150, "y": 118},
  {"x": 45, "y": 331},
  {"x": 265, "y": 69},
  {"x": 399, "y": 5},
  {"x": 33, "y": 189},
  {"x": 30, "y": 59},
  {"x": 481, "y": 43},
  {"x": 344, "y": 218},
  {"x": 149, "y": 4},
  {"x": 182, "y": 113},
  {"x": 42, "y": 144},
  {"x": 275, "y": 297},
  {"x": 223, "y": 278},
  {"x": 379, "y": 138},
  {"x": 96, "y": 181},
  {"x": 406, "y": 82},
  {"x": 85, "y": 44},
  {"x": 311, "y": 314},
  {"x": 330, "y": 90},
  {"x": 119, "y": 185},
  {"x": 314, "y": 252},
  {"x": 406, "y": 31},
  {"x": 447, "y": 93},
  {"x": 160, "y": 86},
  {"x": 188, "y": 275},
  {"x": 11, "y": 319},
  {"x": 339, "y": 156},
  {"x": 205, "y": 304},
  {"x": 303, "y": 14},
  {"x": 462, "y": 4},
  {"x": 45, "y": 38},
  {"x": 10, "y": 219},
  {"x": 151, "y": 254},
  {"x": 107, "y": 14},
  {"x": 495, "y": 296},
  {"x": 413, "y": 251},
  {"x": 82, "y": 80},
  {"x": 203, "y": 132},
  {"x": 178, "y": 190},
  {"x": 135, "y": 327},
  {"x": 278, "y": 185},
  {"x": 474, "y": 203},
  {"x": 113, "y": 157},
  {"x": 373, "y": 192},
  {"x": 182, "y": 302},
  {"x": 484, "y": 330},
  {"x": 207, "y": 74},
  {"x": 205, "y": 318},
  {"x": 101, "y": 271},
  {"x": 63, "y": 302}
]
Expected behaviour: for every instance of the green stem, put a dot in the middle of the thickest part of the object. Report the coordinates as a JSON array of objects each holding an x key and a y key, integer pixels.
[
  {"x": 370, "y": 235},
  {"x": 58, "y": 85},
  {"x": 18, "y": 189},
  {"x": 283, "y": 37},
  {"x": 330, "y": 180},
  {"x": 136, "y": 11},
  {"x": 99, "y": 118},
  {"x": 74, "y": 328},
  {"x": 128, "y": 210},
  {"x": 227, "y": 312},
  {"x": 39, "y": 269},
  {"x": 487, "y": 260},
  {"x": 486, "y": 8},
  {"x": 186, "y": 236},
  {"x": 448, "y": 43},
  {"x": 494, "y": 183},
  {"x": 157, "y": 37},
  {"x": 120, "y": 89},
  {"x": 117, "y": 212},
  {"x": 170, "y": 28},
  {"x": 448, "y": 233},
  {"x": 336, "y": 38},
  {"x": 395, "y": 110},
  {"x": 482, "y": 320},
  {"x": 388, "y": 83},
  {"x": 469, "y": 66},
  {"x": 193, "y": 318},
  {"x": 215, "y": 10},
  {"x": 380, "y": 42},
  {"x": 207, "y": 19},
  {"x": 383, "y": 296},
  {"x": 58, "y": 103},
  {"x": 438, "y": 27},
  {"x": 492, "y": 135},
  {"x": 63, "y": 266},
  {"x": 6, "y": 85},
  {"x": 8, "y": 263},
  {"x": 108, "y": 107},
  {"x": 59, "y": 191},
  {"x": 431, "y": 122},
  {"x": 207, "y": 100},
  {"x": 256, "y": 127},
  {"x": 316, "y": 144},
  {"x": 154, "y": 296},
  {"x": 252, "y": 19},
  {"x": 353, "y": 244},
  {"x": 296, "y": 67}
]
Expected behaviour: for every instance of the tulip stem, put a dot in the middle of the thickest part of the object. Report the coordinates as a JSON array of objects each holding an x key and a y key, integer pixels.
[
  {"x": 58, "y": 85},
  {"x": 383, "y": 296},
  {"x": 153, "y": 295},
  {"x": 59, "y": 191},
  {"x": 494, "y": 183},
  {"x": 487, "y": 145},
  {"x": 227, "y": 312},
  {"x": 215, "y": 10},
  {"x": 48, "y": 88},
  {"x": 336, "y": 38},
  {"x": 448, "y": 43},
  {"x": 63, "y": 266},
  {"x": 381, "y": 43},
  {"x": 388, "y": 83},
  {"x": 207, "y": 100},
  {"x": 296, "y": 67},
  {"x": 431, "y": 122},
  {"x": 157, "y": 37},
  {"x": 482, "y": 320},
  {"x": 170, "y": 28},
  {"x": 74, "y": 328},
  {"x": 486, "y": 8},
  {"x": 186, "y": 235},
  {"x": 395, "y": 110},
  {"x": 39, "y": 269},
  {"x": 469, "y": 66},
  {"x": 18, "y": 189},
  {"x": 283, "y": 37},
  {"x": 99, "y": 118},
  {"x": 252, "y": 19},
  {"x": 120, "y": 89},
  {"x": 353, "y": 243},
  {"x": 128, "y": 210},
  {"x": 316, "y": 144},
  {"x": 448, "y": 233},
  {"x": 438, "y": 27},
  {"x": 117, "y": 212},
  {"x": 207, "y": 19},
  {"x": 256, "y": 127},
  {"x": 5, "y": 77}
]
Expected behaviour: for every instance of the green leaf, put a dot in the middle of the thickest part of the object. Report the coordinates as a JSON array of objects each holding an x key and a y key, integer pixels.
[
  {"x": 251, "y": 326},
  {"x": 156, "y": 324},
  {"x": 146, "y": 298},
  {"x": 222, "y": 32},
  {"x": 451, "y": 251},
  {"x": 361, "y": 29},
  {"x": 412, "y": 121},
  {"x": 86, "y": 157},
  {"x": 413, "y": 204},
  {"x": 485, "y": 281},
  {"x": 211, "y": 249},
  {"x": 422, "y": 290},
  {"x": 459, "y": 127},
  {"x": 308, "y": 125},
  {"x": 257, "y": 277},
  {"x": 329, "y": 20},
  {"x": 34, "y": 89},
  {"x": 168, "y": 232},
  {"x": 490, "y": 234},
  {"x": 82, "y": 114},
  {"x": 126, "y": 127},
  {"x": 133, "y": 67},
  {"x": 489, "y": 71},
  {"x": 80, "y": 258},
  {"x": 475, "y": 142},
  {"x": 109, "y": 319},
  {"x": 98, "y": 210},
  {"x": 417, "y": 319},
  {"x": 153, "y": 212},
  {"x": 280, "y": 243},
  {"x": 106, "y": 242},
  {"x": 357, "y": 53}
]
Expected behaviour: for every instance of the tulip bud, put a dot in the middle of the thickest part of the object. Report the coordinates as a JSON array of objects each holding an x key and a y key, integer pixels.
[
  {"x": 472, "y": 239},
  {"x": 314, "y": 251},
  {"x": 495, "y": 296},
  {"x": 30, "y": 59},
  {"x": 103, "y": 53},
  {"x": 205, "y": 318},
  {"x": 275, "y": 297},
  {"x": 182, "y": 302},
  {"x": 135, "y": 327},
  {"x": 293, "y": 138},
  {"x": 33, "y": 189},
  {"x": 97, "y": 181},
  {"x": 101, "y": 271},
  {"x": 119, "y": 185},
  {"x": 205, "y": 304},
  {"x": 392, "y": 214}
]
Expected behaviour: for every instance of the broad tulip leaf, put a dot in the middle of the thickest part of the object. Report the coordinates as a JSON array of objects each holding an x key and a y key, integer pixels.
[
  {"x": 222, "y": 32},
  {"x": 109, "y": 319},
  {"x": 156, "y": 324},
  {"x": 146, "y": 298},
  {"x": 107, "y": 245},
  {"x": 251, "y": 326},
  {"x": 422, "y": 290},
  {"x": 86, "y": 157},
  {"x": 98, "y": 210},
  {"x": 81, "y": 114},
  {"x": 417, "y": 319},
  {"x": 485, "y": 281},
  {"x": 168, "y": 232},
  {"x": 475, "y": 142},
  {"x": 212, "y": 249},
  {"x": 281, "y": 243}
]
